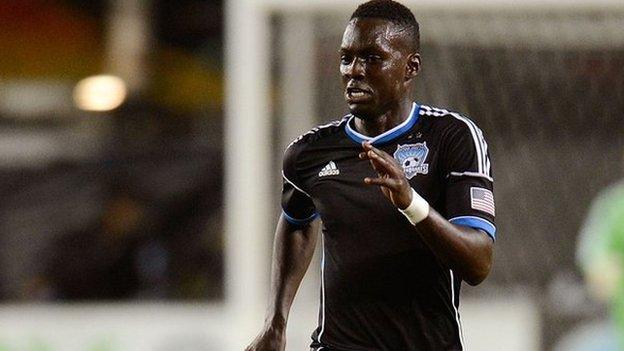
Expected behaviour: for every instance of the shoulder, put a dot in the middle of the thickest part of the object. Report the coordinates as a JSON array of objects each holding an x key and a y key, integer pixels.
[
  {"x": 463, "y": 145},
  {"x": 319, "y": 132},
  {"x": 313, "y": 136},
  {"x": 316, "y": 134},
  {"x": 450, "y": 122}
]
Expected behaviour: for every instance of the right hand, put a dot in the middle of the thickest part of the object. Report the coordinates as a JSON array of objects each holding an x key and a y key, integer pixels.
[{"x": 271, "y": 338}]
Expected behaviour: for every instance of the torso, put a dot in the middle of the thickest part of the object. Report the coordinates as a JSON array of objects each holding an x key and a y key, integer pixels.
[{"x": 382, "y": 287}]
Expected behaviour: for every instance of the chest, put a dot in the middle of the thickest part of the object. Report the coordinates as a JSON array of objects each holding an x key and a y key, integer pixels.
[{"x": 335, "y": 176}]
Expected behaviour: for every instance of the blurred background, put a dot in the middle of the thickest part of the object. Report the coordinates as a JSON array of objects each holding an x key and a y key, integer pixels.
[{"x": 141, "y": 144}]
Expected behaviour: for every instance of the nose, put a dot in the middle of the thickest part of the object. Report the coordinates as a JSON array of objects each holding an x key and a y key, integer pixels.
[{"x": 355, "y": 69}]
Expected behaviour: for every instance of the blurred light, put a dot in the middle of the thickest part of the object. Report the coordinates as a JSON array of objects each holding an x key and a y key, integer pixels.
[{"x": 100, "y": 93}]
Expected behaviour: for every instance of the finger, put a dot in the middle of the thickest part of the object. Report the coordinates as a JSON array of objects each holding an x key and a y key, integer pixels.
[
  {"x": 382, "y": 153},
  {"x": 382, "y": 163},
  {"x": 371, "y": 157},
  {"x": 376, "y": 168},
  {"x": 379, "y": 167},
  {"x": 375, "y": 164},
  {"x": 385, "y": 164},
  {"x": 369, "y": 147},
  {"x": 378, "y": 164},
  {"x": 389, "y": 183}
]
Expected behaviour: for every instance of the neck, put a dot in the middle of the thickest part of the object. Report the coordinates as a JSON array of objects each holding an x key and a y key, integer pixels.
[{"x": 388, "y": 120}]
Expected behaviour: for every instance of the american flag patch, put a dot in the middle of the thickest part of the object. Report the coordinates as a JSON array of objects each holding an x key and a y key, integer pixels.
[{"x": 482, "y": 199}]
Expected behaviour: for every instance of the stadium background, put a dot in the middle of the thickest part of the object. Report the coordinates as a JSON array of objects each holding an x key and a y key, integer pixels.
[{"x": 143, "y": 220}]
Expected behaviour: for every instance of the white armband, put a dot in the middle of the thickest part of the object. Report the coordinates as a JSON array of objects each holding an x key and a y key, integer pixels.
[{"x": 417, "y": 210}]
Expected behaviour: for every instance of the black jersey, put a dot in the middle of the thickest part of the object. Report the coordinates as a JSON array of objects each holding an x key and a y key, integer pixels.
[{"x": 381, "y": 287}]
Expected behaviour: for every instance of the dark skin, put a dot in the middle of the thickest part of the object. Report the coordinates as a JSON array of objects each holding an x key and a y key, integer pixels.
[{"x": 378, "y": 65}]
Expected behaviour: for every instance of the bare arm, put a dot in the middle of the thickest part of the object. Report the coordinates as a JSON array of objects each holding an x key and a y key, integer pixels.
[
  {"x": 465, "y": 250},
  {"x": 293, "y": 248}
]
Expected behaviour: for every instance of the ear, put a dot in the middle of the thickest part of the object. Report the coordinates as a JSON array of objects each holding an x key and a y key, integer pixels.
[{"x": 413, "y": 66}]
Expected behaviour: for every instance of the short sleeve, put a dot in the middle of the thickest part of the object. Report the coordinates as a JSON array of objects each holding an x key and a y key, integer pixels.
[
  {"x": 470, "y": 186},
  {"x": 297, "y": 206}
]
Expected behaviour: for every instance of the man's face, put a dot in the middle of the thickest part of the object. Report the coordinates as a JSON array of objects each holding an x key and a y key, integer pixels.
[{"x": 374, "y": 58}]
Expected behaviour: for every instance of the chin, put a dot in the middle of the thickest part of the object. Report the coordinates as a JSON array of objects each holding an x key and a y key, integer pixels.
[{"x": 363, "y": 112}]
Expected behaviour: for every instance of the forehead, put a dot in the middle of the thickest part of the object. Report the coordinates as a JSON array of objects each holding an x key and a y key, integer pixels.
[{"x": 378, "y": 33}]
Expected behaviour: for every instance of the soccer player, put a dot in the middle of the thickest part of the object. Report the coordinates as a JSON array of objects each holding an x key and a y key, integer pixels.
[{"x": 404, "y": 195}]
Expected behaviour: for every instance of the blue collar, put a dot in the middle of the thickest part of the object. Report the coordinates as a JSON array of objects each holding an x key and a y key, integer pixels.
[{"x": 388, "y": 135}]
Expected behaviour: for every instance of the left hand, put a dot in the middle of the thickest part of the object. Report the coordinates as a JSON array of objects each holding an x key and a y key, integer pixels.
[{"x": 391, "y": 178}]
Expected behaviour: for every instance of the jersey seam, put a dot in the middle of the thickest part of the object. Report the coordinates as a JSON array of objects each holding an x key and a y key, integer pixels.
[
  {"x": 306, "y": 144},
  {"x": 476, "y": 134},
  {"x": 469, "y": 174}
]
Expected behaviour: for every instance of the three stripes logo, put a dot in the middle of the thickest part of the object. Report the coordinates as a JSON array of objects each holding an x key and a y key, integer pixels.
[{"x": 329, "y": 170}]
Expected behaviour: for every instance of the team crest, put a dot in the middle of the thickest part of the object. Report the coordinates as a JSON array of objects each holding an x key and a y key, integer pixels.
[{"x": 412, "y": 158}]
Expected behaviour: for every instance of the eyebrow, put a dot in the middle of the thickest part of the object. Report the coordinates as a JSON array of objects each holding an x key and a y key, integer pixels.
[{"x": 368, "y": 48}]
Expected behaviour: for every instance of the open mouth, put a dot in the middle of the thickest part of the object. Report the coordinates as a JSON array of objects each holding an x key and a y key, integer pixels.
[{"x": 357, "y": 94}]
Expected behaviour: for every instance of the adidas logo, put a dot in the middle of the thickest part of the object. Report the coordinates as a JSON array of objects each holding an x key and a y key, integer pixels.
[{"x": 329, "y": 170}]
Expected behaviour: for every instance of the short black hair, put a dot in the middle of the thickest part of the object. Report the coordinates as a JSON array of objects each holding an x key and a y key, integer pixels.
[{"x": 391, "y": 11}]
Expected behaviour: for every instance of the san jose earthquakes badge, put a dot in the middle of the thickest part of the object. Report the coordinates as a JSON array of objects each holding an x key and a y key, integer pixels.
[{"x": 412, "y": 158}]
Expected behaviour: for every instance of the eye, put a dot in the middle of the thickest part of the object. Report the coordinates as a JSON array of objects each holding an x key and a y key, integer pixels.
[
  {"x": 345, "y": 59},
  {"x": 373, "y": 58}
]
